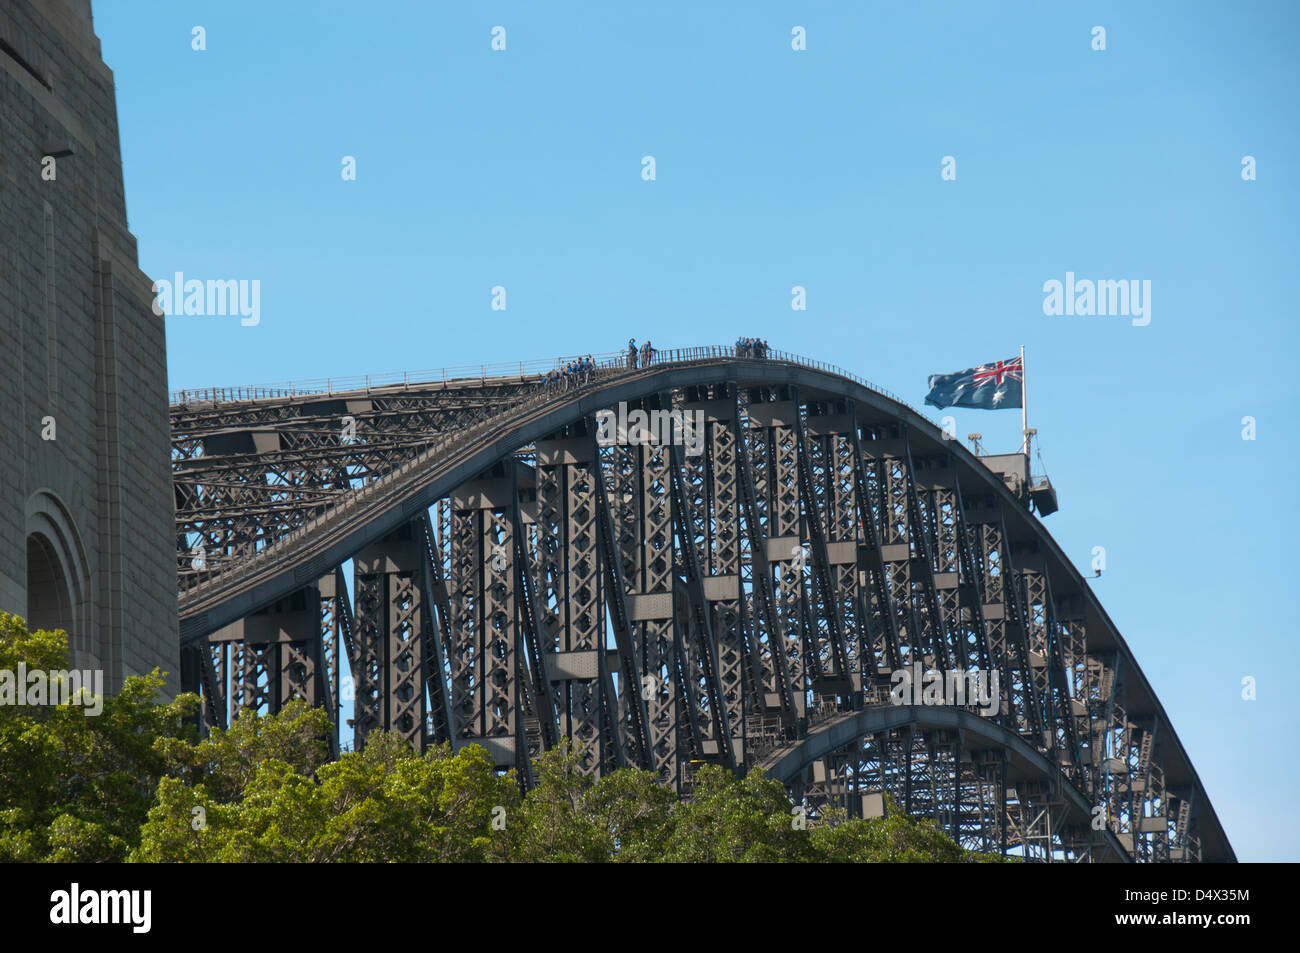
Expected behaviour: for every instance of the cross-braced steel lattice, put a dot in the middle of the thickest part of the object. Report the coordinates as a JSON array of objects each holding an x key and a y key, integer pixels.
[{"x": 713, "y": 559}]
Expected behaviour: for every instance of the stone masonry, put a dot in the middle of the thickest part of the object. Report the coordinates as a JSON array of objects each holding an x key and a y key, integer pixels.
[{"x": 86, "y": 508}]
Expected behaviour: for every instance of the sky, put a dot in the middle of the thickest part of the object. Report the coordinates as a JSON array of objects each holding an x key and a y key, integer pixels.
[{"x": 822, "y": 168}]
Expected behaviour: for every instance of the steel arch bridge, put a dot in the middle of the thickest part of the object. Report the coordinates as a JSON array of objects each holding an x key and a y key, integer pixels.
[{"x": 492, "y": 569}]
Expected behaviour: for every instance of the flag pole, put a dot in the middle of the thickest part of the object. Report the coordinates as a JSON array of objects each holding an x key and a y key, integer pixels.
[{"x": 1024, "y": 403}]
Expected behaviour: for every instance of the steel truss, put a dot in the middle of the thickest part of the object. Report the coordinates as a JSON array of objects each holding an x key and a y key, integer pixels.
[{"x": 749, "y": 598}]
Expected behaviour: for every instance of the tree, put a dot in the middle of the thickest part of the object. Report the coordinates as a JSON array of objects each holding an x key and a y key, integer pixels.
[
  {"x": 264, "y": 792},
  {"x": 633, "y": 811},
  {"x": 554, "y": 825},
  {"x": 137, "y": 782},
  {"x": 894, "y": 838},
  {"x": 570, "y": 817},
  {"x": 75, "y": 786},
  {"x": 729, "y": 819}
]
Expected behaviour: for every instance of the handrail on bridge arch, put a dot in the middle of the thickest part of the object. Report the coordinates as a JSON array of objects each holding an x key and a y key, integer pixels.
[
  {"x": 391, "y": 496},
  {"x": 605, "y": 369},
  {"x": 526, "y": 370}
]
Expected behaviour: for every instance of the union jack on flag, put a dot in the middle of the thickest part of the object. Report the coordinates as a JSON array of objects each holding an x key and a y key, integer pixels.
[{"x": 990, "y": 386}]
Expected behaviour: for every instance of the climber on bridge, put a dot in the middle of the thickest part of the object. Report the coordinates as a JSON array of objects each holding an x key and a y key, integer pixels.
[
  {"x": 577, "y": 372},
  {"x": 647, "y": 354},
  {"x": 631, "y": 353}
]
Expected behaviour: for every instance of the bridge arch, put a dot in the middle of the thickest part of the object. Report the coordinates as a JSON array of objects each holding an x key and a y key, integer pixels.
[
  {"x": 885, "y": 748},
  {"x": 511, "y": 579}
]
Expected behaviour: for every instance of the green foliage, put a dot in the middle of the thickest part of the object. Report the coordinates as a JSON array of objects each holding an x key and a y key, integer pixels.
[
  {"x": 730, "y": 819},
  {"x": 227, "y": 761},
  {"x": 633, "y": 812},
  {"x": 75, "y": 787},
  {"x": 382, "y": 804},
  {"x": 387, "y": 804},
  {"x": 894, "y": 838},
  {"x": 138, "y": 783},
  {"x": 570, "y": 817}
]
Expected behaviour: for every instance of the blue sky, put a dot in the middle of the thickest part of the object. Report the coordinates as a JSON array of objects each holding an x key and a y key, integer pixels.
[{"x": 777, "y": 168}]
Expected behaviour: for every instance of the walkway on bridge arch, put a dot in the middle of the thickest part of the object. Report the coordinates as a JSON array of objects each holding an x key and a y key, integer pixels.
[{"x": 515, "y": 580}]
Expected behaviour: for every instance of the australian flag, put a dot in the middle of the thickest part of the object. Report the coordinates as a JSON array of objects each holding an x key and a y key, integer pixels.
[{"x": 989, "y": 386}]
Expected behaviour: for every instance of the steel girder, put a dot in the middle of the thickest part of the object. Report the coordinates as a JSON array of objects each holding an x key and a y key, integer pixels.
[
  {"x": 666, "y": 606},
  {"x": 245, "y": 473}
]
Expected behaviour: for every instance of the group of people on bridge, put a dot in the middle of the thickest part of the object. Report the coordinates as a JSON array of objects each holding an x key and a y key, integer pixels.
[
  {"x": 645, "y": 356},
  {"x": 579, "y": 372},
  {"x": 570, "y": 375}
]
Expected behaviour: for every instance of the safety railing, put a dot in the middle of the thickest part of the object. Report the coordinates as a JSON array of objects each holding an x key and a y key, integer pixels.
[
  {"x": 508, "y": 370},
  {"x": 219, "y": 566},
  {"x": 396, "y": 482}
]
